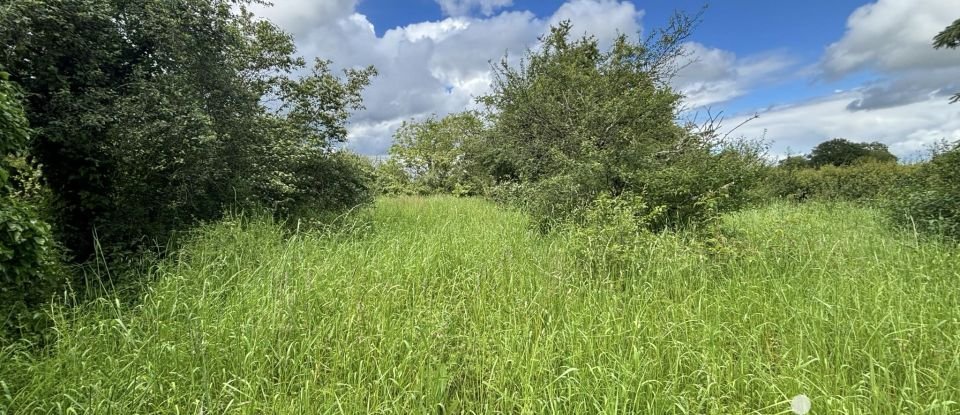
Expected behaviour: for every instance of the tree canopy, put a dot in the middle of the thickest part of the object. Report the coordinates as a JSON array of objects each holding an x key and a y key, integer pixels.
[
  {"x": 573, "y": 123},
  {"x": 440, "y": 155},
  {"x": 153, "y": 115},
  {"x": 843, "y": 152},
  {"x": 949, "y": 38}
]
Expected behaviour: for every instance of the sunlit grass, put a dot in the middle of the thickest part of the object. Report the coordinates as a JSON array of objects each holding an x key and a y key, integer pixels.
[{"x": 449, "y": 305}]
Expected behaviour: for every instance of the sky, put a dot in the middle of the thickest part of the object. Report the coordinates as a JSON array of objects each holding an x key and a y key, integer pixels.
[{"x": 809, "y": 70}]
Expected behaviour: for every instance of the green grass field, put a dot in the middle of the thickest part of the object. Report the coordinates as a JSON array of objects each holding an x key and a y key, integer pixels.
[{"x": 442, "y": 305}]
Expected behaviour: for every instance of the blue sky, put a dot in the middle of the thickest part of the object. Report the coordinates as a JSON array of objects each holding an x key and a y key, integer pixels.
[{"x": 812, "y": 70}]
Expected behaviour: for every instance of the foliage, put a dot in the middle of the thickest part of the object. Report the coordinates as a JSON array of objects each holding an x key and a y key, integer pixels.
[
  {"x": 441, "y": 155},
  {"x": 391, "y": 178},
  {"x": 867, "y": 181},
  {"x": 949, "y": 38},
  {"x": 794, "y": 162},
  {"x": 572, "y": 123},
  {"x": 455, "y": 306},
  {"x": 931, "y": 202},
  {"x": 327, "y": 183},
  {"x": 842, "y": 152},
  {"x": 28, "y": 254},
  {"x": 608, "y": 231},
  {"x": 151, "y": 116}
]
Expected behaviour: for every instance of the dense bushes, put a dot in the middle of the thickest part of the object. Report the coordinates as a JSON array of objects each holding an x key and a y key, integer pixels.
[
  {"x": 152, "y": 116},
  {"x": 149, "y": 117},
  {"x": 923, "y": 197},
  {"x": 868, "y": 181},
  {"x": 28, "y": 254},
  {"x": 574, "y": 123},
  {"x": 931, "y": 201}
]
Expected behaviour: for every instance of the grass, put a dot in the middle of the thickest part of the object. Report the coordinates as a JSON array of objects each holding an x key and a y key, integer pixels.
[{"x": 449, "y": 305}]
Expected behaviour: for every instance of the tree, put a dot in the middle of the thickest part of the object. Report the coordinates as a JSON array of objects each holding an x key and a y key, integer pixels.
[
  {"x": 794, "y": 162},
  {"x": 573, "y": 122},
  {"x": 949, "y": 38},
  {"x": 879, "y": 152},
  {"x": 843, "y": 152},
  {"x": 152, "y": 115},
  {"x": 440, "y": 155}
]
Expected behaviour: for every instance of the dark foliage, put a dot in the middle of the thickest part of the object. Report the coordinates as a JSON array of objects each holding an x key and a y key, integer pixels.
[
  {"x": 29, "y": 273},
  {"x": 151, "y": 116},
  {"x": 842, "y": 152}
]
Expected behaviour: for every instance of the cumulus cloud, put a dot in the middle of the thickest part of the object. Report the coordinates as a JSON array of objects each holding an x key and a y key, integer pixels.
[
  {"x": 711, "y": 76},
  {"x": 438, "y": 67},
  {"x": 904, "y": 106},
  {"x": 434, "y": 67},
  {"x": 907, "y": 129},
  {"x": 299, "y": 16},
  {"x": 465, "y": 7},
  {"x": 605, "y": 19},
  {"x": 893, "y": 35}
]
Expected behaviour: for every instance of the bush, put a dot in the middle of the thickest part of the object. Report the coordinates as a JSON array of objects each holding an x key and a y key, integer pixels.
[
  {"x": 573, "y": 123},
  {"x": 931, "y": 201},
  {"x": 390, "y": 178},
  {"x": 153, "y": 117},
  {"x": 28, "y": 254},
  {"x": 438, "y": 156},
  {"x": 327, "y": 183},
  {"x": 606, "y": 232},
  {"x": 29, "y": 275},
  {"x": 867, "y": 181}
]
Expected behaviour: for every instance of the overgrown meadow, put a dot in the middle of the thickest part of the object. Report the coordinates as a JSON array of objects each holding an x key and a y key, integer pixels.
[
  {"x": 182, "y": 231},
  {"x": 447, "y": 305}
]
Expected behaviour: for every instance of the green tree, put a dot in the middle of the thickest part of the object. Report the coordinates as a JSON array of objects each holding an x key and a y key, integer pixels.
[
  {"x": 794, "y": 162},
  {"x": 152, "y": 115},
  {"x": 440, "y": 155},
  {"x": 949, "y": 38},
  {"x": 574, "y": 122},
  {"x": 843, "y": 152}
]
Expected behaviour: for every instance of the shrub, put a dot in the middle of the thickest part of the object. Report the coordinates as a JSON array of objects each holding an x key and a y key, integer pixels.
[
  {"x": 606, "y": 232},
  {"x": 866, "y": 181},
  {"x": 574, "y": 123},
  {"x": 439, "y": 156},
  {"x": 29, "y": 274},
  {"x": 152, "y": 117},
  {"x": 931, "y": 201},
  {"x": 28, "y": 254},
  {"x": 390, "y": 178},
  {"x": 328, "y": 183}
]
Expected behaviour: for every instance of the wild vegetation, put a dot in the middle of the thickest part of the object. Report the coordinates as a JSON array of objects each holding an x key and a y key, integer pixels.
[
  {"x": 447, "y": 305},
  {"x": 181, "y": 231}
]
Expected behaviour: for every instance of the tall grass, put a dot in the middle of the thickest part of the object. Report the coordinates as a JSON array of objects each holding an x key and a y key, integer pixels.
[{"x": 448, "y": 306}]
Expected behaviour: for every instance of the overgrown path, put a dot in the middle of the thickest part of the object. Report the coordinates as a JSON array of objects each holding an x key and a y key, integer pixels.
[{"x": 449, "y": 305}]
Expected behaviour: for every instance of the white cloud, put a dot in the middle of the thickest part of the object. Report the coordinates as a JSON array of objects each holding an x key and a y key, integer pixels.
[
  {"x": 432, "y": 67},
  {"x": 905, "y": 106},
  {"x": 907, "y": 129},
  {"x": 605, "y": 19},
  {"x": 711, "y": 76},
  {"x": 893, "y": 35},
  {"x": 465, "y": 7},
  {"x": 299, "y": 16},
  {"x": 441, "y": 66}
]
